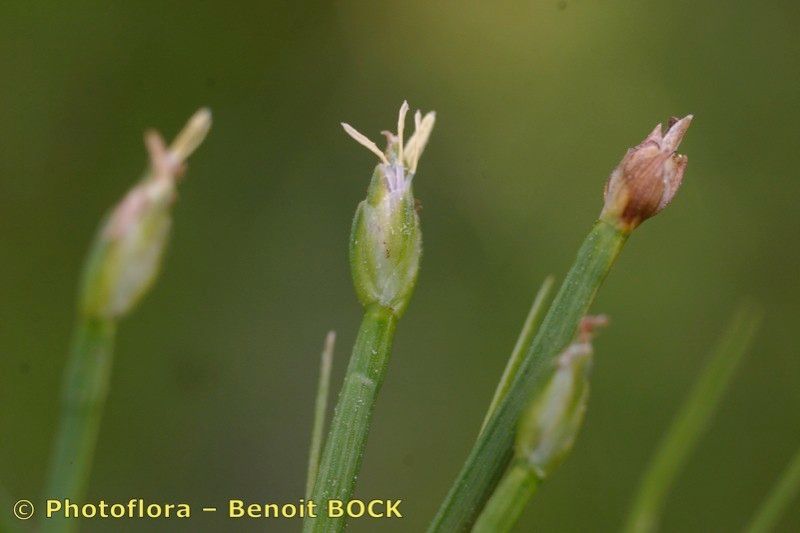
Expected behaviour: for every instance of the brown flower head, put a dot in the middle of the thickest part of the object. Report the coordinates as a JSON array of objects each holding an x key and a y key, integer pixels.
[{"x": 647, "y": 178}]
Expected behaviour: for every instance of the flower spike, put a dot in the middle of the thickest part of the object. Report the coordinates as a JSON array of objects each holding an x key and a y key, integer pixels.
[
  {"x": 386, "y": 240},
  {"x": 647, "y": 178}
]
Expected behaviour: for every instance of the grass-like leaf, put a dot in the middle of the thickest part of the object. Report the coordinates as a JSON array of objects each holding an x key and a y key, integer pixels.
[
  {"x": 692, "y": 418},
  {"x": 524, "y": 340},
  {"x": 784, "y": 492},
  {"x": 320, "y": 409}
]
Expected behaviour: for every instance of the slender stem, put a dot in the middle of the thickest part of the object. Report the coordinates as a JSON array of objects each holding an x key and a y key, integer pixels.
[
  {"x": 509, "y": 499},
  {"x": 782, "y": 494},
  {"x": 524, "y": 340},
  {"x": 85, "y": 388},
  {"x": 691, "y": 420},
  {"x": 492, "y": 451},
  {"x": 320, "y": 408},
  {"x": 344, "y": 448}
]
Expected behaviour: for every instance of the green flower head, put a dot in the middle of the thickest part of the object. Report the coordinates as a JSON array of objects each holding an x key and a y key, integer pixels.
[
  {"x": 386, "y": 241},
  {"x": 127, "y": 251},
  {"x": 549, "y": 426}
]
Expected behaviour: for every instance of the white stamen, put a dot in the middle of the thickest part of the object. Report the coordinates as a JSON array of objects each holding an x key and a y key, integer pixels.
[
  {"x": 401, "y": 126},
  {"x": 362, "y": 139},
  {"x": 191, "y": 136},
  {"x": 414, "y": 148},
  {"x": 416, "y": 144}
]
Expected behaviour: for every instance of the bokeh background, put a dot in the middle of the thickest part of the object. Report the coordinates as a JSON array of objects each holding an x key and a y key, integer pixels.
[{"x": 215, "y": 373}]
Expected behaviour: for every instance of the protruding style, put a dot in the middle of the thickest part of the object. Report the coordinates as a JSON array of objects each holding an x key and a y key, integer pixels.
[{"x": 647, "y": 178}]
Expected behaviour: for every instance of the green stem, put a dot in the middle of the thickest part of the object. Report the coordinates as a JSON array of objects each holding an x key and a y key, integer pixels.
[
  {"x": 86, "y": 381},
  {"x": 344, "y": 448},
  {"x": 691, "y": 420},
  {"x": 492, "y": 451},
  {"x": 509, "y": 499},
  {"x": 779, "y": 498},
  {"x": 524, "y": 340}
]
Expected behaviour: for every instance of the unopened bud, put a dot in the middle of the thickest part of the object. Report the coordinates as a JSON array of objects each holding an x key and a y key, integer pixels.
[
  {"x": 127, "y": 251},
  {"x": 386, "y": 241},
  {"x": 549, "y": 426},
  {"x": 647, "y": 178}
]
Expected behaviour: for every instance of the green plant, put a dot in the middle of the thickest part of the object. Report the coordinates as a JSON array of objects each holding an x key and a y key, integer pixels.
[
  {"x": 121, "y": 267},
  {"x": 385, "y": 248},
  {"x": 642, "y": 185},
  {"x": 539, "y": 403},
  {"x": 546, "y": 434}
]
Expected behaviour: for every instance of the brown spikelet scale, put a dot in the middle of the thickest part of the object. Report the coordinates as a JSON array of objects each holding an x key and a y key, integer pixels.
[{"x": 647, "y": 178}]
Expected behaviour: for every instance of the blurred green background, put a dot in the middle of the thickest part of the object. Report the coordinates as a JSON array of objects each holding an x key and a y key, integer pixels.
[{"x": 537, "y": 101}]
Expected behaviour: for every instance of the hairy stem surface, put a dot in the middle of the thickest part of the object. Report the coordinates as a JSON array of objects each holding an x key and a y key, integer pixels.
[{"x": 344, "y": 448}]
